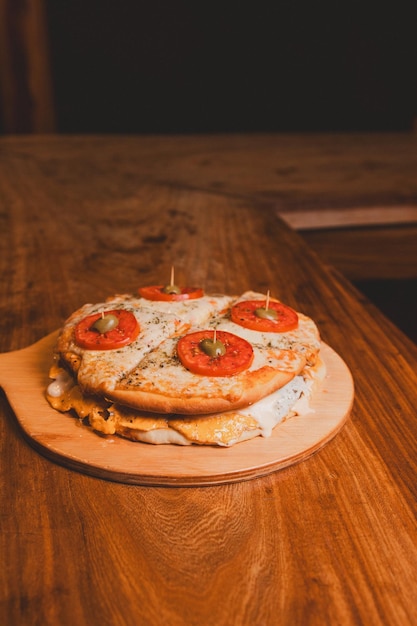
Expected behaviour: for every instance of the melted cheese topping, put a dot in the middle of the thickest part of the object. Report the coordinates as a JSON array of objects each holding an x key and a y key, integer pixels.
[
  {"x": 191, "y": 312},
  {"x": 304, "y": 339},
  {"x": 161, "y": 372},
  {"x": 62, "y": 382},
  {"x": 100, "y": 370}
]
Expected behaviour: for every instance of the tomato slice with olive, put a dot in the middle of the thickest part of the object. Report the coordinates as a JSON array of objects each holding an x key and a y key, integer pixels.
[
  {"x": 170, "y": 293},
  {"x": 253, "y": 314},
  {"x": 223, "y": 354},
  {"x": 107, "y": 331}
]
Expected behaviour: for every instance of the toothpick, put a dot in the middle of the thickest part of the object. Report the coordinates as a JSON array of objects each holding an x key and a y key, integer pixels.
[
  {"x": 267, "y": 300},
  {"x": 214, "y": 335},
  {"x": 172, "y": 276}
]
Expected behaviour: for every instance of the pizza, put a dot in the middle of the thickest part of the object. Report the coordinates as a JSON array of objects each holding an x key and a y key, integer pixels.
[{"x": 174, "y": 365}]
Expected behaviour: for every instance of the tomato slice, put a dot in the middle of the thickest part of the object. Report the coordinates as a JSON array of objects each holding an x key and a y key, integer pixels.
[
  {"x": 237, "y": 357},
  {"x": 126, "y": 331},
  {"x": 156, "y": 292},
  {"x": 244, "y": 314}
]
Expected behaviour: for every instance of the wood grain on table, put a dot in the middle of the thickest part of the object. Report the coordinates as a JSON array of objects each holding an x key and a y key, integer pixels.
[{"x": 331, "y": 540}]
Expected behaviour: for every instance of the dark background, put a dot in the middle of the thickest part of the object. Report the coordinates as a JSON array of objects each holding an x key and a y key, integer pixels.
[{"x": 191, "y": 66}]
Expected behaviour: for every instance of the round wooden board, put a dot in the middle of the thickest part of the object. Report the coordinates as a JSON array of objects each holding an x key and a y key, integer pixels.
[{"x": 61, "y": 438}]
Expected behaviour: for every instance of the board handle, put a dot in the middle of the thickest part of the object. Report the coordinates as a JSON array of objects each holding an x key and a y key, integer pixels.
[{"x": 15, "y": 363}]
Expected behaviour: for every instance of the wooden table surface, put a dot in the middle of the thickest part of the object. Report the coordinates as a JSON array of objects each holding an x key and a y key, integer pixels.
[{"x": 331, "y": 540}]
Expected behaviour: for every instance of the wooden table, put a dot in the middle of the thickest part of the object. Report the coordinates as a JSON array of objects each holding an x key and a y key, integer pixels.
[{"x": 331, "y": 540}]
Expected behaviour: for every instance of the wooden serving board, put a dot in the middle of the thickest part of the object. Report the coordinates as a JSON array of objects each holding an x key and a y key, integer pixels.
[{"x": 61, "y": 437}]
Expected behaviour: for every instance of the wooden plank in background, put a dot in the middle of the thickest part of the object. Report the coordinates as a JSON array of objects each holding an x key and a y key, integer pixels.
[
  {"x": 384, "y": 252},
  {"x": 317, "y": 219}
]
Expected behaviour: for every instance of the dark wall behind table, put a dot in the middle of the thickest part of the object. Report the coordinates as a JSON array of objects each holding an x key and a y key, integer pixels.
[{"x": 191, "y": 66}]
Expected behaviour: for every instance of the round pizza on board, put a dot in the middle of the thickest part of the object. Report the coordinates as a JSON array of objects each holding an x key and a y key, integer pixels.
[{"x": 179, "y": 366}]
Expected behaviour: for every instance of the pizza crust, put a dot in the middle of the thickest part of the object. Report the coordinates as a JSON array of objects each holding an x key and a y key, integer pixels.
[
  {"x": 161, "y": 383},
  {"x": 142, "y": 391},
  {"x": 224, "y": 395}
]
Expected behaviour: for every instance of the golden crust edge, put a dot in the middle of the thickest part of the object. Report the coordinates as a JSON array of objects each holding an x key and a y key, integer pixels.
[{"x": 200, "y": 405}]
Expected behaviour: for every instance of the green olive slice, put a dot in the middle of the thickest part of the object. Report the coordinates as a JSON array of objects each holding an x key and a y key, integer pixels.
[
  {"x": 171, "y": 289},
  {"x": 266, "y": 314},
  {"x": 212, "y": 348},
  {"x": 106, "y": 323}
]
